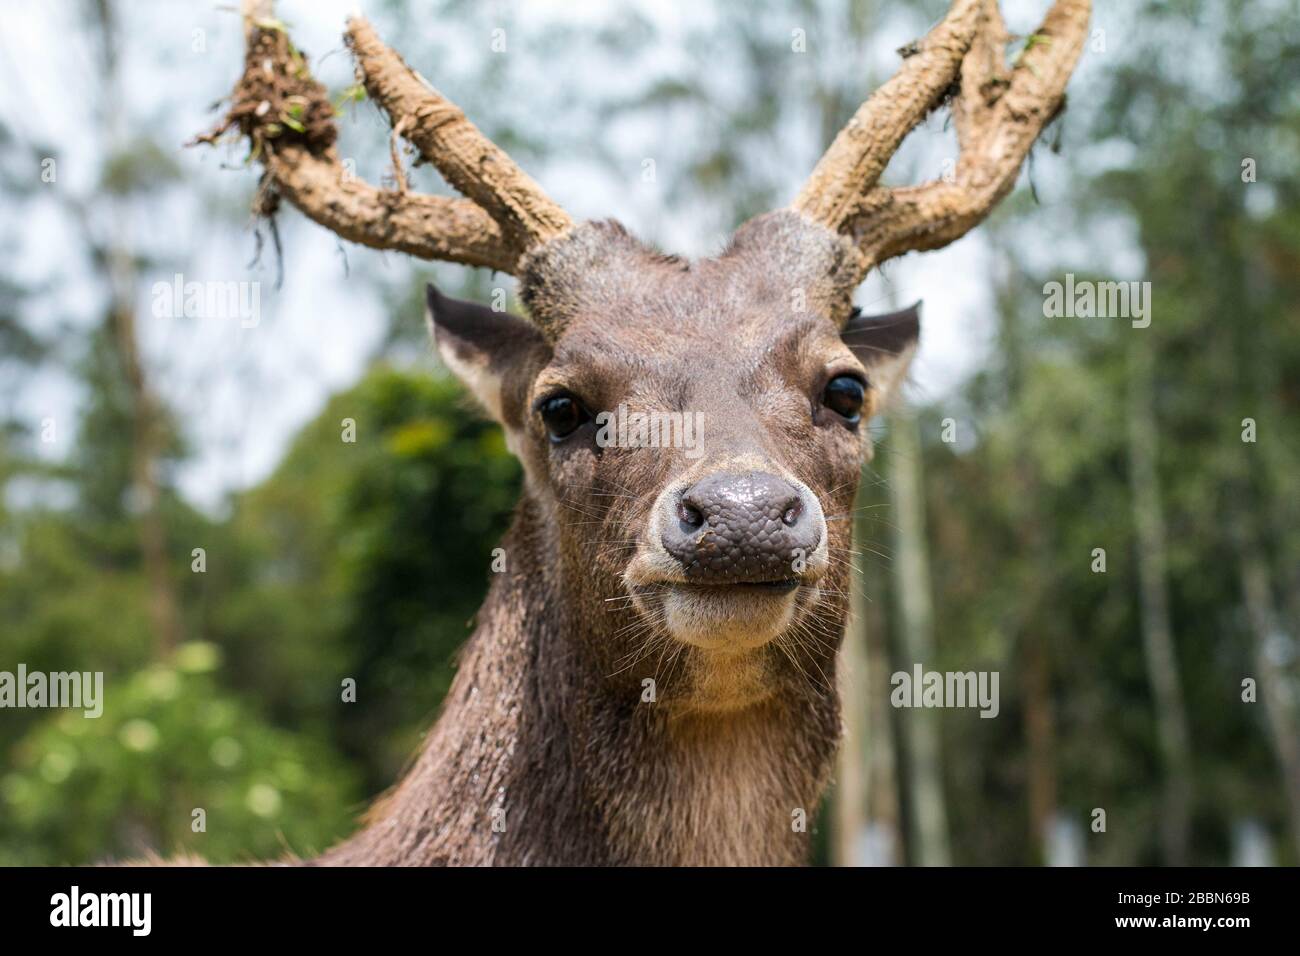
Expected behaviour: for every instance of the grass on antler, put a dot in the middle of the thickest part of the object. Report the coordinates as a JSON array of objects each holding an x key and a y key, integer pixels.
[{"x": 277, "y": 99}]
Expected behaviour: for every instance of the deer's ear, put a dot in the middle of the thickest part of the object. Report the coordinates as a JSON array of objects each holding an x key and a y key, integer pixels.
[
  {"x": 492, "y": 353},
  {"x": 884, "y": 344}
]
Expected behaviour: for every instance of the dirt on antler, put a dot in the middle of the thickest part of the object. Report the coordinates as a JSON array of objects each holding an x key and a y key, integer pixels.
[
  {"x": 277, "y": 100},
  {"x": 289, "y": 122}
]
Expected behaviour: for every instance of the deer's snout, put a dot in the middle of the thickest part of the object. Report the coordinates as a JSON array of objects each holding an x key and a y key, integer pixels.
[{"x": 742, "y": 527}]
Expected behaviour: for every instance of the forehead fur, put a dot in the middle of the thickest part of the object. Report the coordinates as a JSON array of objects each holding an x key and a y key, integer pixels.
[{"x": 780, "y": 264}]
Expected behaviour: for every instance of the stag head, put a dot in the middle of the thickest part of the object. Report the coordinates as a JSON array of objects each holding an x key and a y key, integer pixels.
[
  {"x": 720, "y": 526},
  {"x": 728, "y": 547}
]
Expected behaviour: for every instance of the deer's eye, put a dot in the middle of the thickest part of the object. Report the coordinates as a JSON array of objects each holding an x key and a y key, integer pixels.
[
  {"x": 562, "y": 415},
  {"x": 844, "y": 396}
]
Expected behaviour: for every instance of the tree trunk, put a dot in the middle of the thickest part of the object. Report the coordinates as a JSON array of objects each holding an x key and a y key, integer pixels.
[
  {"x": 882, "y": 774},
  {"x": 853, "y": 769},
  {"x": 1028, "y": 628},
  {"x": 147, "y": 432},
  {"x": 1157, "y": 633},
  {"x": 929, "y": 824},
  {"x": 1257, "y": 589},
  {"x": 1040, "y": 740},
  {"x": 145, "y": 450},
  {"x": 866, "y": 797}
]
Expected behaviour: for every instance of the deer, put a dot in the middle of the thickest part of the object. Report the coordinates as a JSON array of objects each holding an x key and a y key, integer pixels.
[{"x": 651, "y": 680}]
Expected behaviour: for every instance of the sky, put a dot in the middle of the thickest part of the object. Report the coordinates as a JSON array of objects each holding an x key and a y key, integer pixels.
[{"x": 243, "y": 392}]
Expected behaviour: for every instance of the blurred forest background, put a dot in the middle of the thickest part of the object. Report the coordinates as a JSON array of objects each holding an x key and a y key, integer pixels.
[{"x": 1027, "y": 443}]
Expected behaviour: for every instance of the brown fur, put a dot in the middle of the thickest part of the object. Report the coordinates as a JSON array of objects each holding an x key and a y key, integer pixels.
[
  {"x": 546, "y": 752},
  {"x": 545, "y": 733}
]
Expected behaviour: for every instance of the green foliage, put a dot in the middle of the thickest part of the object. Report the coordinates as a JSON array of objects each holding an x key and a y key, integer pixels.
[
  {"x": 83, "y": 789},
  {"x": 368, "y": 560},
  {"x": 361, "y": 560},
  {"x": 1015, "y": 519}
]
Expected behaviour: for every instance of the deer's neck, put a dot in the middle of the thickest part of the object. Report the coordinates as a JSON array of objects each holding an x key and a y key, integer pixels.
[{"x": 534, "y": 761}]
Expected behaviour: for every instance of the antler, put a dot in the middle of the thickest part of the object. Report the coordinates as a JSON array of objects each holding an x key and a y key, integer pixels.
[
  {"x": 998, "y": 111},
  {"x": 288, "y": 120}
]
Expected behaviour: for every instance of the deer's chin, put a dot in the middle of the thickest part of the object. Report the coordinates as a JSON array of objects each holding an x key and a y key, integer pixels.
[{"x": 729, "y": 618}]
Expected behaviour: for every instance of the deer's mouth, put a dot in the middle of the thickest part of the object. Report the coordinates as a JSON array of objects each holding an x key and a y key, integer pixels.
[
  {"x": 783, "y": 586},
  {"x": 730, "y": 558},
  {"x": 724, "y": 617}
]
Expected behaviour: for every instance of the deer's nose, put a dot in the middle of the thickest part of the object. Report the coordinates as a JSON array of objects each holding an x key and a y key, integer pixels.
[{"x": 741, "y": 527}]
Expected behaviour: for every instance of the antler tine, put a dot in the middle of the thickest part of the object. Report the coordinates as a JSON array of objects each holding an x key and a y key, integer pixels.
[
  {"x": 427, "y": 227},
  {"x": 983, "y": 73},
  {"x": 288, "y": 120},
  {"x": 998, "y": 111},
  {"x": 863, "y": 148},
  {"x": 999, "y": 116},
  {"x": 471, "y": 162}
]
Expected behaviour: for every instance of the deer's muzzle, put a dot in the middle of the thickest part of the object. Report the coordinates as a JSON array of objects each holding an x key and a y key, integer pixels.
[{"x": 742, "y": 528}]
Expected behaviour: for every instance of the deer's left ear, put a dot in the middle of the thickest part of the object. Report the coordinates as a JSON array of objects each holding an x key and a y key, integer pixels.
[
  {"x": 884, "y": 344},
  {"x": 493, "y": 353}
]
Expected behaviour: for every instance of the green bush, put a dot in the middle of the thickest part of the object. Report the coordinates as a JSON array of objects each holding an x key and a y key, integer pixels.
[{"x": 170, "y": 742}]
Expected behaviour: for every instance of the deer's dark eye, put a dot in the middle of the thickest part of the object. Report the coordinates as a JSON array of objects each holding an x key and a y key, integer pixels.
[
  {"x": 844, "y": 396},
  {"x": 562, "y": 415}
]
